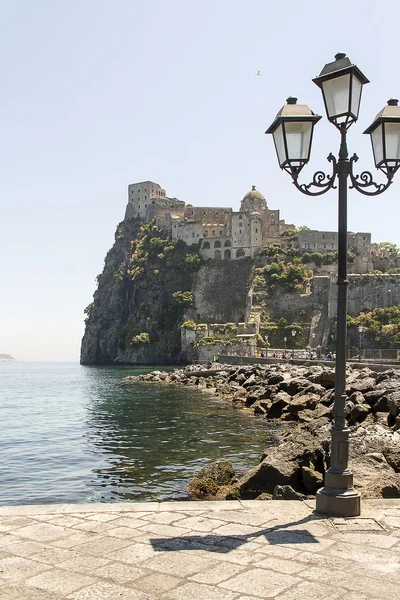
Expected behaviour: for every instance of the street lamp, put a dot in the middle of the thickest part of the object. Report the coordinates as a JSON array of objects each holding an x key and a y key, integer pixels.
[
  {"x": 360, "y": 330},
  {"x": 313, "y": 339},
  {"x": 341, "y": 84},
  {"x": 293, "y": 336},
  {"x": 285, "y": 340},
  {"x": 266, "y": 346}
]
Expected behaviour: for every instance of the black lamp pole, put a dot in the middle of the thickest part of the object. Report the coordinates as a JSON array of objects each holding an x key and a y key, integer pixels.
[{"x": 341, "y": 84}]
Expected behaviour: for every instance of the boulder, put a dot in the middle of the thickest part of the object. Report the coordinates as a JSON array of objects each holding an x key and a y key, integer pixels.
[
  {"x": 393, "y": 402},
  {"x": 358, "y": 413},
  {"x": 220, "y": 471},
  {"x": 312, "y": 480},
  {"x": 201, "y": 487},
  {"x": 302, "y": 401},
  {"x": 326, "y": 378},
  {"x": 278, "y": 403},
  {"x": 275, "y": 378},
  {"x": 261, "y": 407},
  {"x": 294, "y": 386},
  {"x": 286, "y": 492},
  {"x": 382, "y": 404},
  {"x": 308, "y": 415},
  {"x": 250, "y": 381},
  {"x": 357, "y": 398},
  {"x": 361, "y": 385}
]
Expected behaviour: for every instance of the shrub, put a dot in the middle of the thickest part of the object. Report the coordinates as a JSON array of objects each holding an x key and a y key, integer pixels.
[
  {"x": 183, "y": 298},
  {"x": 141, "y": 338}
]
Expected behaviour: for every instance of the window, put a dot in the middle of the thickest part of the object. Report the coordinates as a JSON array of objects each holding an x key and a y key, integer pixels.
[
  {"x": 206, "y": 246},
  {"x": 138, "y": 191},
  {"x": 213, "y": 231},
  {"x": 240, "y": 231},
  {"x": 204, "y": 212},
  {"x": 217, "y": 244},
  {"x": 310, "y": 236},
  {"x": 145, "y": 205},
  {"x": 206, "y": 233},
  {"x": 139, "y": 198},
  {"x": 323, "y": 237},
  {"x": 145, "y": 197},
  {"x": 324, "y": 245},
  {"x": 220, "y": 233},
  {"x": 193, "y": 234},
  {"x": 256, "y": 230}
]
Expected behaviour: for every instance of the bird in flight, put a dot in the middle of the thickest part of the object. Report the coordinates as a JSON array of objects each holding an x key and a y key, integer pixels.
[{"x": 258, "y": 73}]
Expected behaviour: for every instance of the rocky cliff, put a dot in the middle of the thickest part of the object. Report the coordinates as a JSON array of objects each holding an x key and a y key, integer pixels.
[{"x": 146, "y": 291}]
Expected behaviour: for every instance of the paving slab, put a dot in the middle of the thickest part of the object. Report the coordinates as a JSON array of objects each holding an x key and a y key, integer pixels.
[{"x": 234, "y": 550}]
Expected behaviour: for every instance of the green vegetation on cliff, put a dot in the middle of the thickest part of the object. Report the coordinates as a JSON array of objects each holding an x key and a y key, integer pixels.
[
  {"x": 381, "y": 325},
  {"x": 142, "y": 294}
]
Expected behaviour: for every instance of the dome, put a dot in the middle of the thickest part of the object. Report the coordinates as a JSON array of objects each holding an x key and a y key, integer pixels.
[
  {"x": 253, "y": 195},
  {"x": 253, "y": 201}
]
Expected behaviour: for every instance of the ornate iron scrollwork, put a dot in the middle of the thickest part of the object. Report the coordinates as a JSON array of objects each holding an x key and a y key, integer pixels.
[
  {"x": 365, "y": 180},
  {"x": 321, "y": 181}
]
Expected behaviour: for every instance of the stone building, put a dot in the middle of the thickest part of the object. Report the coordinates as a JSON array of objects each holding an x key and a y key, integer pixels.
[{"x": 225, "y": 234}]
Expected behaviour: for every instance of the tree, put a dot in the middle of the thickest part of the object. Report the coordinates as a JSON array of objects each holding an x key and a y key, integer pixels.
[{"x": 388, "y": 247}]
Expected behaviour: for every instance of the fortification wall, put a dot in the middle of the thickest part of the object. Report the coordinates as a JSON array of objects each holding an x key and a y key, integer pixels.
[{"x": 220, "y": 291}]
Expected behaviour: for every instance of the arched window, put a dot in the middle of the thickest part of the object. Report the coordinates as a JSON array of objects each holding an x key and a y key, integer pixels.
[
  {"x": 240, "y": 253},
  {"x": 217, "y": 244},
  {"x": 217, "y": 255},
  {"x": 227, "y": 254},
  {"x": 228, "y": 243},
  {"x": 206, "y": 246}
]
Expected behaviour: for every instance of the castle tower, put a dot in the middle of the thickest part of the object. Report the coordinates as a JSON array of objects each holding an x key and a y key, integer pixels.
[{"x": 253, "y": 202}]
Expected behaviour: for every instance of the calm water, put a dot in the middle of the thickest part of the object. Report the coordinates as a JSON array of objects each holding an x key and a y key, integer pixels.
[{"x": 82, "y": 434}]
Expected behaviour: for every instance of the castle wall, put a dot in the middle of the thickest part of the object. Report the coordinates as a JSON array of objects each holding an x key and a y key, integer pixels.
[
  {"x": 189, "y": 232},
  {"x": 140, "y": 196}
]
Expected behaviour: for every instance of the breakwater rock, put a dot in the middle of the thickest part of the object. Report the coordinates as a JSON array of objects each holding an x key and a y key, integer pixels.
[{"x": 301, "y": 397}]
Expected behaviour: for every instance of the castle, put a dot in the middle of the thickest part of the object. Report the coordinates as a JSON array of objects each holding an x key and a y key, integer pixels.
[{"x": 225, "y": 234}]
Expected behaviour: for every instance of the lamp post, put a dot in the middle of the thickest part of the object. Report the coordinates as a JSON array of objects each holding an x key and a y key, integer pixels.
[
  {"x": 389, "y": 297},
  {"x": 341, "y": 84},
  {"x": 266, "y": 346},
  {"x": 293, "y": 336},
  {"x": 360, "y": 330},
  {"x": 285, "y": 340}
]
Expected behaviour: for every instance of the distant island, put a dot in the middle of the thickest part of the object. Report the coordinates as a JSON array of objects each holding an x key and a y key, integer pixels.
[{"x": 6, "y": 358}]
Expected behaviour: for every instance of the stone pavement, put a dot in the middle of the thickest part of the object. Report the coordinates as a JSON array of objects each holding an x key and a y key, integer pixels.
[{"x": 235, "y": 550}]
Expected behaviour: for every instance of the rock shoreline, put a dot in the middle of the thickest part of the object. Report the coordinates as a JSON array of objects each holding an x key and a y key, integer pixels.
[{"x": 301, "y": 397}]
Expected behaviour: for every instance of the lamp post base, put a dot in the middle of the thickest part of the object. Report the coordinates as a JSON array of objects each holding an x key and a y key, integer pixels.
[{"x": 338, "y": 502}]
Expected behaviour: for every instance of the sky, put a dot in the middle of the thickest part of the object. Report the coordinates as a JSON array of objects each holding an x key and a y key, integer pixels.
[{"x": 97, "y": 94}]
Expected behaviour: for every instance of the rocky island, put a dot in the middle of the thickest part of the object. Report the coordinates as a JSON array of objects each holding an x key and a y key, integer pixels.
[
  {"x": 301, "y": 398},
  {"x": 184, "y": 284},
  {"x": 7, "y": 358}
]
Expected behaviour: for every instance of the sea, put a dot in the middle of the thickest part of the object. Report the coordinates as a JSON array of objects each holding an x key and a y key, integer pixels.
[{"x": 75, "y": 434}]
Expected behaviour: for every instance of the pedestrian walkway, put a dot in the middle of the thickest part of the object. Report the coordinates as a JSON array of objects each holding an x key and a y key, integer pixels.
[{"x": 235, "y": 550}]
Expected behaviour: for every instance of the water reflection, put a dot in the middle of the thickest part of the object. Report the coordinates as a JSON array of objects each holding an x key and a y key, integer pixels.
[{"x": 150, "y": 439}]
